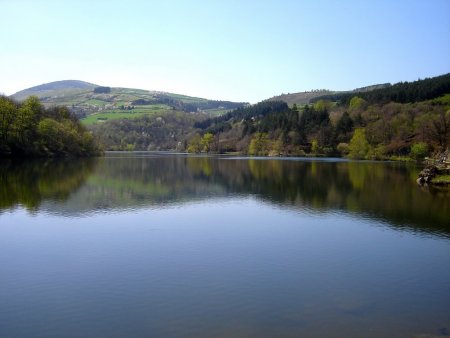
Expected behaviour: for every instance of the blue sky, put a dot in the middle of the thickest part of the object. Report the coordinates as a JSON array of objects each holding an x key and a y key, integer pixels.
[{"x": 230, "y": 50}]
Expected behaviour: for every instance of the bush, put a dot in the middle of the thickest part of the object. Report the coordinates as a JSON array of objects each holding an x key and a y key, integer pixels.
[
  {"x": 377, "y": 153},
  {"x": 342, "y": 148},
  {"x": 419, "y": 151}
]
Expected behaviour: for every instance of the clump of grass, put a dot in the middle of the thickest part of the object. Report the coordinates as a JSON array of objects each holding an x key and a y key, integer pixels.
[{"x": 441, "y": 179}]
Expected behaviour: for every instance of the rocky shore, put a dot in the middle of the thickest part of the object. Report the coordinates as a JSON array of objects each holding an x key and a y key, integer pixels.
[{"x": 437, "y": 173}]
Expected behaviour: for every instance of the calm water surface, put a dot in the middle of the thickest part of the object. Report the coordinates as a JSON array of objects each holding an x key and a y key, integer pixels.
[{"x": 153, "y": 245}]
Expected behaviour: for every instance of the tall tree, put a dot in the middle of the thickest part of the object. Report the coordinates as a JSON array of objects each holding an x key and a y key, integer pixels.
[
  {"x": 359, "y": 147},
  {"x": 259, "y": 145},
  {"x": 207, "y": 142}
]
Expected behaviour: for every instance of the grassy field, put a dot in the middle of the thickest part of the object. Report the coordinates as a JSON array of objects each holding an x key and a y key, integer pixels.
[
  {"x": 116, "y": 114},
  {"x": 108, "y": 116}
]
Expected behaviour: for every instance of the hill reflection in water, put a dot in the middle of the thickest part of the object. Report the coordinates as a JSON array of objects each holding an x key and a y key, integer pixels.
[{"x": 127, "y": 181}]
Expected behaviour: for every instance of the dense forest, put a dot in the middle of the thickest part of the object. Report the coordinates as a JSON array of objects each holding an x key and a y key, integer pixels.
[
  {"x": 359, "y": 130},
  {"x": 29, "y": 129}
]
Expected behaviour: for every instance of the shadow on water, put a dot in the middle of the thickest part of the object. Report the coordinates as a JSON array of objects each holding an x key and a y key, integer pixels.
[{"x": 383, "y": 191}]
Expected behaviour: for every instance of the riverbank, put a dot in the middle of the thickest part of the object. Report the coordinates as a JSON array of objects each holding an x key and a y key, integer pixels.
[{"x": 437, "y": 171}]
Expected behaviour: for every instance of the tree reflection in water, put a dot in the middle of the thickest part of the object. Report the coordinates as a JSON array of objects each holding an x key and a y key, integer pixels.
[{"x": 383, "y": 191}]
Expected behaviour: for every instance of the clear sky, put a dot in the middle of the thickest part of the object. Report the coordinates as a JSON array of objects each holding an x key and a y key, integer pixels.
[{"x": 230, "y": 49}]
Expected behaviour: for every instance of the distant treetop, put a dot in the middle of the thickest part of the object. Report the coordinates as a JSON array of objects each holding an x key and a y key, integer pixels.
[{"x": 102, "y": 90}]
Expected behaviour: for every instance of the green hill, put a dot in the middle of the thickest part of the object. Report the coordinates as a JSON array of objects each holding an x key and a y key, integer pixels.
[{"x": 96, "y": 104}]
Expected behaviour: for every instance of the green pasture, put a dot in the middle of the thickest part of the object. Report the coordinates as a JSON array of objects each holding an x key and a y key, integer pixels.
[{"x": 108, "y": 116}]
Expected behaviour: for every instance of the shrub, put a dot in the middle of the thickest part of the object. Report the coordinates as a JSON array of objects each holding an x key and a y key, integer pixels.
[
  {"x": 343, "y": 149},
  {"x": 419, "y": 151}
]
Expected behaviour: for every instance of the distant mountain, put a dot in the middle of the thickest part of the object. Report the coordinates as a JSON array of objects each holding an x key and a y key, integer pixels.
[
  {"x": 47, "y": 89},
  {"x": 97, "y": 104}
]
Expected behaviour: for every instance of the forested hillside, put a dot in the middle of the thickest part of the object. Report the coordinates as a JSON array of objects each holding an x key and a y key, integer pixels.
[
  {"x": 168, "y": 131},
  {"x": 29, "y": 129},
  {"x": 382, "y": 123}
]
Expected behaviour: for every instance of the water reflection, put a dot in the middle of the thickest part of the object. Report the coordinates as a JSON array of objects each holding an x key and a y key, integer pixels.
[
  {"x": 29, "y": 183},
  {"x": 383, "y": 191}
]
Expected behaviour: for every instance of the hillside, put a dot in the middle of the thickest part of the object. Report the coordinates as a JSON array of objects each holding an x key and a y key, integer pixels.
[
  {"x": 97, "y": 104},
  {"x": 376, "y": 122},
  {"x": 302, "y": 98}
]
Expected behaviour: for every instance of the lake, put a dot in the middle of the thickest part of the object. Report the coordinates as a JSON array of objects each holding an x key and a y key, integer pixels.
[{"x": 162, "y": 245}]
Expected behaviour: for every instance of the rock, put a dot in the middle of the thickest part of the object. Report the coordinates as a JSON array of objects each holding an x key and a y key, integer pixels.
[{"x": 427, "y": 174}]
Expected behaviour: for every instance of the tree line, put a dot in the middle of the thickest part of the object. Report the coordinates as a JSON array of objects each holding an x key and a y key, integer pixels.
[{"x": 29, "y": 129}]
